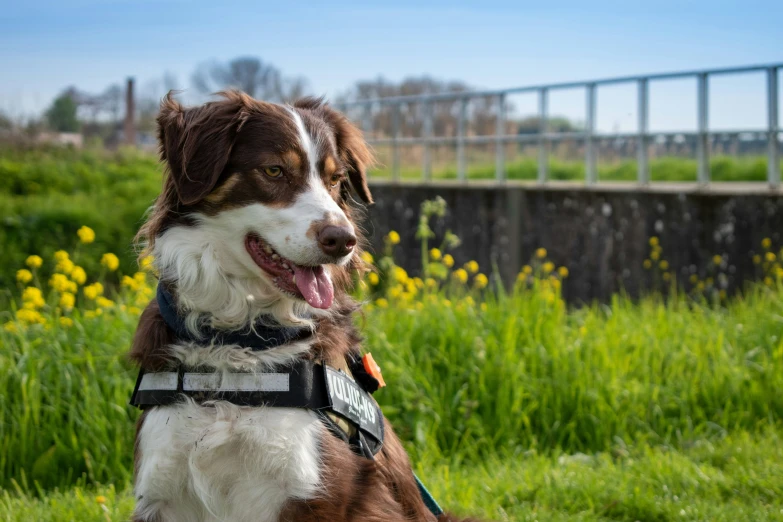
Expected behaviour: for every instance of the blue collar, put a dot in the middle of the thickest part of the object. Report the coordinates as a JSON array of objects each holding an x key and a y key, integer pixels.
[{"x": 263, "y": 337}]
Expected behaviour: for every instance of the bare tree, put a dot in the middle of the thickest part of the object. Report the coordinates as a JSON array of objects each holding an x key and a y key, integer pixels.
[{"x": 251, "y": 75}]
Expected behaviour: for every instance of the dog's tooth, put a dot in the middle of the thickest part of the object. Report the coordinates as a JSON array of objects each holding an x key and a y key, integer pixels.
[
  {"x": 285, "y": 266},
  {"x": 293, "y": 279},
  {"x": 275, "y": 257},
  {"x": 267, "y": 249}
]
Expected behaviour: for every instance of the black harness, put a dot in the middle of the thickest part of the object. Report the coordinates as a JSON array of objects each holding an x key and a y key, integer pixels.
[{"x": 302, "y": 384}]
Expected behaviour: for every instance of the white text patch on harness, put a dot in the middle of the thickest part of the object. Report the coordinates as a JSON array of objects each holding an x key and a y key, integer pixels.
[{"x": 352, "y": 402}]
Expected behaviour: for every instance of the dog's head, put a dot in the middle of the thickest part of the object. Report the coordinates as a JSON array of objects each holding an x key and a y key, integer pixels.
[{"x": 254, "y": 216}]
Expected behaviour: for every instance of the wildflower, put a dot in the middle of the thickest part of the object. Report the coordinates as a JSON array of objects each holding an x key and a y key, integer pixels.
[
  {"x": 430, "y": 282},
  {"x": 461, "y": 275},
  {"x": 129, "y": 282},
  {"x": 756, "y": 259},
  {"x": 393, "y": 237},
  {"x": 769, "y": 256},
  {"x": 700, "y": 286},
  {"x": 67, "y": 300},
  {"x": 32, "y": 298},
  {"x": 548, "y": 267},
  {"x": 30, "y": 316},
  {"x": 66, "y": 322},
  {"x": 717, "y": 260},
  {"x": 541, "y": 253},
  {"x": 480, "y": 281},
  {"x": 472, "y": 267},
  {"x": 135, "y": 310},
  {"x": 65, "y": 266},
  {"x": 34, "y": 261},
  {"x": 110, "y": 261},
  {"x": 24, "y": 276},
  {"x": 86, "y": 234},
  {"x": 469, "y": 301},
  {"x": 527, "y": 269},
  {"x": 100, "y": 499},
  {"x": 655, "y": 255},
  {"x": 766, "y": 242},
  {"x": 104, "y": 303},
  {"x": 61, "y": 255},
  {"x": 693, "y": 279},
  {"x": 521, "y": 277},
  {"x": 448, "y": 260},
  {"x": 60, "y": 283},
  {"x": 663, "y": 265},
  {"x": 418, "y": 282},
  {"x": 395, "y": 292},
  {"x": 92, "y": 314},
  {"x": 435, "y": 254},
  {"x": 78, "y": 275},
  {"x": 654, "y": 241},
  {"x": 667, "y": 276},
  {"x": 419, "y": 306},
  {"x": 555, "y": 283},
  {"x": 563, "y": 271},
  {"x": 382, "y": 303},
  {"x": 93, "y": 291},
  {"x": 483, "y": 307},
  {"x": 582, "y": 331},
  {"x": 366, "y": 257},
  {"x": 11, "y": 327},
  {"x": 147, "y": 261},
  {"x": 400, "y": 275},
  {"x": 768, "y": 281}
]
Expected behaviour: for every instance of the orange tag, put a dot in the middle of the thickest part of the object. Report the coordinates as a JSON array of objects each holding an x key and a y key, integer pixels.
[{"x": 373, "y": 369}]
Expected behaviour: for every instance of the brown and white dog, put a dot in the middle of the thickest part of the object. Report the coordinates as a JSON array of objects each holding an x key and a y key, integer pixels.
[{"x": 254, "y": 220}]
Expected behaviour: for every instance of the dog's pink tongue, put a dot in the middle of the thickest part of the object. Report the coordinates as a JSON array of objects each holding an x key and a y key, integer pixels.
[{"x": 315, "y": 285}]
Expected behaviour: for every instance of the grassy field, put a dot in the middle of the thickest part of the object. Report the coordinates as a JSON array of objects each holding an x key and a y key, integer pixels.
[{"x": 511, "y": 405}]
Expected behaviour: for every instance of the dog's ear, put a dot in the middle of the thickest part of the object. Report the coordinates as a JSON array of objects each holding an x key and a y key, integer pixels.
[
  {"x": 196, "y": 142},
  {"x": 353, "y": 151}
]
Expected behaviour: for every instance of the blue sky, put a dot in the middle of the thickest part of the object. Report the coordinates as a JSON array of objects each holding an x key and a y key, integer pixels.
[{"x": 48, "y": 45}]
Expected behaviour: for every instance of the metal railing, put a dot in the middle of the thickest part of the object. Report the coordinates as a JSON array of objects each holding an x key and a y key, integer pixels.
[{"x": 544, "y": 137}]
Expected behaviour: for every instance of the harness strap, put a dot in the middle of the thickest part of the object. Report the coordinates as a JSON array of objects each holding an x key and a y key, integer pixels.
[{"x": 303, "y": 384}]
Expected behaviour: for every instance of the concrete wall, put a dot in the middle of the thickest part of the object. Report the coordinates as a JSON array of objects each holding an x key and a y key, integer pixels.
[{"x": 601, "y": 234}]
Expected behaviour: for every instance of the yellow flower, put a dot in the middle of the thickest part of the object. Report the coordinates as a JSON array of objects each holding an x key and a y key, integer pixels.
[
  {"x": 527, "y": 269},
  {"x": 768, "y": 281},
  {"x": 700, "y": 286},
  {"x": 582, "y": 331},
  {"x": 647, "y": 264},
  {"x": 393, "y": 237},
  {"x": 382, "y": 303},
  {"x": 541, "y": 253},
  {"x": 480, "y": 281},
  {"x": 448, "y": 260},
  {"x": 366, "y": 257},
  {"x": 30, "y": 316},
  {"x": 563, "y": 271},
  {"x": 34, "y": 261},
  {"x": 693, "y": 279},
  {"x": 757, "y": 259},
  {"x": 33, "y": 298},
  {"x": 483, "y": 307},
  {"x": 663, "y": 265},
  {"x": 548, "y": 267},
  {"x": 472, "y": 267},
  {"x": 60, "y": 283},
  {"x": 104, "y": 303},
  {"x": 469, "y": 301},
  {"x": 654, "y": 241},
  {"x": 769, "y": 256},
  {"x": 435, "y": 254},
  {"x": 100, "y": 499},
  {"x": 556, "y": 283},
  {"x": 86, "y": 234},
  {"x": 65, "y": 266},
  {"x": 400, "y": 275},
  {"x": 418, "y": 282},
  {"x": 461, "y": 275},
  {"x": 135, "y": 310},
  {"x": 11, "y": 327},
  {"x": 78, "y": 275},
  {"x": 24, "y": 276},
  {"x": 395, "y": 291},
  {"x": 717, "y": 260},
  {"x": 146, "y": 262},
  {"x": 66, "y": 322},
  {"x": 667, "y": 276},
  {"x": 60, "y": 255},
  {"x": 446, "y": 303},
  {"x": 655, "y": 255},
  {"x": 766, "y": 242},
  {"x": 91, "y": 314},
  {"x": 67, "y": 300},
  {"x": 373, "y": 278},
  {"x": 93, "y": 291},
  {"x": 521, "y": 277},
  {"x": 430, "y": 282},
  {"x": 110, "y": 261}
]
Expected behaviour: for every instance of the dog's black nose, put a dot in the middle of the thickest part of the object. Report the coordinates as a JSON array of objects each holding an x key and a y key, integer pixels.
[{"x": 336, "y": 241}]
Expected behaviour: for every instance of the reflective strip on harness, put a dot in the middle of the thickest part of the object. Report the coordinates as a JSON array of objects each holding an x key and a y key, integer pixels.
[{"x": 216, "y": 382}]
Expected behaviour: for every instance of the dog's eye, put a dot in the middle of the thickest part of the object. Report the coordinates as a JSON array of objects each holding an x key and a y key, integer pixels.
[
  {"x": 273, "y": 172},
  {"x": 335, "y": 180}
]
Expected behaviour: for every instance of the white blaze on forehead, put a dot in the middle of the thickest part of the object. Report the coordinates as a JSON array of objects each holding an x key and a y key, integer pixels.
[{"x": 316, "y": 198}]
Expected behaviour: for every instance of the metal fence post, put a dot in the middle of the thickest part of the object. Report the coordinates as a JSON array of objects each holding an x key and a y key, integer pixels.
[
  {"x": 643, "y": 168},
  {"x": 773, "y": 152},
  {"x": 427, "y": 174},
  {"x": 500, "y": 133},
  {"x": 702, "y": 145},
  {"x": 591, "y": 174},
  {"x": 461, "y": 119},
  {"x": 543, "y": 152},
  {"x": 395, "y": 160}
]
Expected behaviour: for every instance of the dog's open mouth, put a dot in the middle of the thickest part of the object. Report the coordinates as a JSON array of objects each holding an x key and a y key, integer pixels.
[{"x": 310, "y": 283}]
